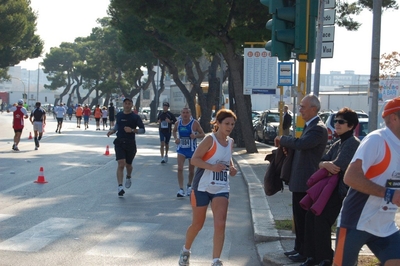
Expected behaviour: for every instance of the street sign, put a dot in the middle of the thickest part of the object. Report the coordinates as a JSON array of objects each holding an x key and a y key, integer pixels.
[
  {"x": 259, "y": 71},
  {"x": 329, "y": 16},
  {"x": 328, "y": 34},
  {"x": 327, "y": 50},
  {"x": 285, "y": 74},
  {"x": 330, "y": 4}
]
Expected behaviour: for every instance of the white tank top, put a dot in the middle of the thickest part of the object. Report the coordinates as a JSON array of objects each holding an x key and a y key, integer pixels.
[{"x": 214, "y": 182}]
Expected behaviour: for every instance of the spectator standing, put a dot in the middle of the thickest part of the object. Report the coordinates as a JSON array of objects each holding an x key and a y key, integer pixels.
[
  {"x": 19, "y": 114},
  {"x": 186, "y": 132},
  {"x": 79, "y": 114},
  {"x": 128, "y": 125},
  {"x": 213, "y": 159},
  {"x": 165, "y": 121},
  {"x": 111, "y": 114},
  {"x": 318, "y": 243},
  {"x": 60, "y": 113},
  {"x": 104, "y": 115},
  {"x": 287, "y": 120},
  {"x": 309, "y": 149},
  {"x": 369, "y": 209},
  {"x": 38, "y": 120},
  {"x": 97, "y": 115}
]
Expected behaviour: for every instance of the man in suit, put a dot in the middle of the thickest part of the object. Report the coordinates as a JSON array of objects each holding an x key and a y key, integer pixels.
[
  {"x": 309, "y": 149},
  {"x": 287, "y": 120}
]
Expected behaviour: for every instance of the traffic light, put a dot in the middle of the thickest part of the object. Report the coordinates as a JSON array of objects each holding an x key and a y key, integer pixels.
[
  {"x": 292, "y": 27},
  {"x": 281, "y": 27}
]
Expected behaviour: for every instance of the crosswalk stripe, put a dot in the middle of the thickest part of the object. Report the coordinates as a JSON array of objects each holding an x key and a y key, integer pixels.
[
  {"x": 125, "y": 240},
  {"x": 40, "y": 235},
  {"x": 5, "y": 216},
  {"x": 203, "y": 245}
]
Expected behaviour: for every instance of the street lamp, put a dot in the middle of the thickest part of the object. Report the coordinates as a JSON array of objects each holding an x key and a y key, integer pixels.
[{"x": 24, "y": 95}]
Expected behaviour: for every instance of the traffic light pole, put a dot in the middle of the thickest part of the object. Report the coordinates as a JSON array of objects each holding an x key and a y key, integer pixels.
[{"x": 301, "y": 91}]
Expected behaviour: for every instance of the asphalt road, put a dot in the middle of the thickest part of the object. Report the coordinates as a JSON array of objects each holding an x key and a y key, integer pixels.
[{"x": 77, "y": 218}]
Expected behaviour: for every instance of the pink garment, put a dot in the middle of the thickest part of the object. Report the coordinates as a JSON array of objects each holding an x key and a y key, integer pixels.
[{"x": 321, "y": 188}]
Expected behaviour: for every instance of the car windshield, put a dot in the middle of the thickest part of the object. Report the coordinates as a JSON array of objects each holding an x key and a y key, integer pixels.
[{"x": 273, "y": 117}]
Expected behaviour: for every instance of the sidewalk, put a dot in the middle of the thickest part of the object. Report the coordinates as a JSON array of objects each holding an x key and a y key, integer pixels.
[{"x": 265, "y": 210}]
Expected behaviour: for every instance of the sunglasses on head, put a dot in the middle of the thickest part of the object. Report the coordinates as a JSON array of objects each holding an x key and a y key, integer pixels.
[{"x": 340, "y": 121}]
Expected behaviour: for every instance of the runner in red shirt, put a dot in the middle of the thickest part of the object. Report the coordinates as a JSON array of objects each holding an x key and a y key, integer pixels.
[{"x": 19, "y": 114}]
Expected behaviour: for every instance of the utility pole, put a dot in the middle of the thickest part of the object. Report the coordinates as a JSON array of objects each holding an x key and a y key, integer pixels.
[
  {"x": 318, "y": 51},
  {"x": 375, "y": 56}
]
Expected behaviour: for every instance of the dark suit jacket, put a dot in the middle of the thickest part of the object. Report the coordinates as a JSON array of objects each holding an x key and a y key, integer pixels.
[
  {"x": 287, "y": 121},
  {"x": 309, "y": 149}
]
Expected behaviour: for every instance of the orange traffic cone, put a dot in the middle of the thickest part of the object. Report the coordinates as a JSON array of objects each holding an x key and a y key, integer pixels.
[
  {"x": 30, "y": 135},
  {"x": 40, "y": 179},
  {"x": 107, "y": 151}
]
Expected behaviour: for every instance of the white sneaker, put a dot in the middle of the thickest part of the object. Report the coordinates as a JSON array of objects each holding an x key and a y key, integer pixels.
[
  {"x": 184, "y": 258},
  {"x": 217, "y": 263},
  {"x": 188, "y": 190},
  {"x": 180, "y": 193},
  {"x": 162, "y": 160},
  {"x": 166, "y": 158},
  {"x": 128, "y": 182}
]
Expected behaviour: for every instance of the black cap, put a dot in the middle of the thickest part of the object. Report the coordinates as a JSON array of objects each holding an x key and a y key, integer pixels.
[
  {"x": 127, "y": 99},
  {"x": 166, "y": 104}
]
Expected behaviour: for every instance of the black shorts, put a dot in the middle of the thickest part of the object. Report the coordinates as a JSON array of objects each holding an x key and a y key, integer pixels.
[
  {"x": 60, "y": 119},
  {"x": 125, "y": 149}
]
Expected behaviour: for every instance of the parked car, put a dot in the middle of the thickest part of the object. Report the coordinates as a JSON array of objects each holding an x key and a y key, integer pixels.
[
  {"x": 266, "y": 128},
  {"x": 255, "y": 115},
  {"x": 330, "y": 117}
]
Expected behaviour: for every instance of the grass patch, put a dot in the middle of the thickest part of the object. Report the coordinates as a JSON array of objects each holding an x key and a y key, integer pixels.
[{"x": 283, "y": 224}]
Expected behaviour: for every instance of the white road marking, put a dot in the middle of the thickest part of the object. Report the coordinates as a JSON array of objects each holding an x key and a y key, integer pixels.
[
  {"x": 5, "y": 216},
  {"x": 125, "y": 240},
  {"x": 39, "y": 236}
]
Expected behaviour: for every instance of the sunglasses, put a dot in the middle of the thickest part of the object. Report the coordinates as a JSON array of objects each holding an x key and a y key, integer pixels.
[{"x": 340, "y": 121}]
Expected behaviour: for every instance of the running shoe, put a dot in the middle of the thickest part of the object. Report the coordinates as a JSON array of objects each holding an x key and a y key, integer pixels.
[
  {"x": 184, "y": 258},
  {"x": 56, "y": 130},
  {"x": 128, "y": 182},
  {"x": 162, "y": 160},
  {"x": 188, "y": 190},
  {"x": 217, "y": 263},
  {"x": 121, "y": 191},
  {"x": 180, "y": 193},
  {"x": 166, "y": 158},
  {"x": 13, "y": 147},
  {"x": 36, "y": 148},
  {"x": 16, "y": 148}
]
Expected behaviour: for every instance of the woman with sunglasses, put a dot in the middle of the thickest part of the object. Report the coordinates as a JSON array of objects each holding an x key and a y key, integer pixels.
[{"x": 318, "y": 248}]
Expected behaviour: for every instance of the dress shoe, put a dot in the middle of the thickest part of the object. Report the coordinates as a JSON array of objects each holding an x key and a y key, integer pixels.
[
  {"x": 297, "y": 258},
  {"x": 309, "y": 262},
  {"x": 325, "y": 263},
  {"x": 292, "y": 252}
]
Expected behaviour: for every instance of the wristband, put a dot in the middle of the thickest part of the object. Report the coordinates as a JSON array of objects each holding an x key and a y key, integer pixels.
[{"x": 389, "y": 195}]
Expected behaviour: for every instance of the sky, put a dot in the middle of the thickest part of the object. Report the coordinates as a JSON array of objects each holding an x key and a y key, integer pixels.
[{"x": 63, "y": 21}]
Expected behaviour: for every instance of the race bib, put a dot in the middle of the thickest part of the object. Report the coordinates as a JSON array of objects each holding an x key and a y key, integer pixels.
[
  {"x": 218, "y": 182},
  {"x": 164, "y": 124},
  {"x": 185, "y": 142},
  {"x": 390, "y": 207}
]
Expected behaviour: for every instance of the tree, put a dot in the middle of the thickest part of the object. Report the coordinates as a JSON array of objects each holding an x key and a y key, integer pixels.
[
  {"x": 17, "y": 27},
  {"x": 219, "y": 26},
  {"x": 345, "y": 10}
]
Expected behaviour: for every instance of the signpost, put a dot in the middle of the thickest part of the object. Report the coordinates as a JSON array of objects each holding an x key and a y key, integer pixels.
[
  {"x": 259, "y": 72},
  {"x": 328, "y": 30}
]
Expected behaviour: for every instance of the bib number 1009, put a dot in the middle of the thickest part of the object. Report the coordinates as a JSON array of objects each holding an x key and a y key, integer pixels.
[{"x": 220, "y": 176}]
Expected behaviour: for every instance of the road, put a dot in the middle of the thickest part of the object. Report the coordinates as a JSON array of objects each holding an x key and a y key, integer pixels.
[{"x": 76, "y": 218}]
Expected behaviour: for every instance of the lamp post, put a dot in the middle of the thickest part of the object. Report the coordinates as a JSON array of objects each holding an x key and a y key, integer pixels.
[{"x": 22, "y": 84}]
